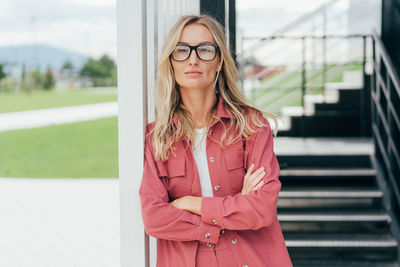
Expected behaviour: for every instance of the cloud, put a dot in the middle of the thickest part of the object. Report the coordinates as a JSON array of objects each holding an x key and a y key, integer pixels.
[{"x": 85, "y": 26}]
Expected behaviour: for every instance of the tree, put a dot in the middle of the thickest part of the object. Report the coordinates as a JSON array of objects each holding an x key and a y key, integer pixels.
[
  {"x": 67, "y": 66},
  {"x": 49, "y": 81},
  {"x": 2, "y": 73},
  {"x": 23, "y": 86},
  {"x": 38, "y": 79},
  {"x": 100, "y": 71}
]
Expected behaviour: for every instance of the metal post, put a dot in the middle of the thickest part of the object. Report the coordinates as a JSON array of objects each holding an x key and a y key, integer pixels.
[
  {"x": 303, "y": 84},
  {"x": 363, "y": 92},
  {"x": 373, "y": 86},
  {"x": 324, "y": 72}
]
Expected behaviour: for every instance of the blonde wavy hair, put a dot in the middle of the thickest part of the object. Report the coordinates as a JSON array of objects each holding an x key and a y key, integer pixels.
[{"x": 168, "y": 100}]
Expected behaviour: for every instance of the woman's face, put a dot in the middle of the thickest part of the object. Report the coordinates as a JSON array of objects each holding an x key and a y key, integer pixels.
[{"x": 194, "y": 73}]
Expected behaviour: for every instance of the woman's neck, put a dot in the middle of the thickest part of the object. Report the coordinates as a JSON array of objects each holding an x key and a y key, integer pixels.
[{"x": 199, "y": 103}]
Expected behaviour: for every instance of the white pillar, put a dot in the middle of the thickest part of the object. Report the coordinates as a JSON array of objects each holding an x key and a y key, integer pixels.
[{"x": 132, "y": 118}]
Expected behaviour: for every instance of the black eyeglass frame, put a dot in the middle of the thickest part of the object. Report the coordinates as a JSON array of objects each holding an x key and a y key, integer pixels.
[{"x": 194, "y": 47}]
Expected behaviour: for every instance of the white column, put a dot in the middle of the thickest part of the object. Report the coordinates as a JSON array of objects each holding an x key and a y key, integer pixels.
[{"x": 132, "y": 117}]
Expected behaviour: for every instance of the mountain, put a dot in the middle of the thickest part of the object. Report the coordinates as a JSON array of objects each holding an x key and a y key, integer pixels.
[{"x": 42, "y": 55}]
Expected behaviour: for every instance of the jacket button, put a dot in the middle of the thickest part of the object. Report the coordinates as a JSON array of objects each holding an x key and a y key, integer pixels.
[
  {"x": 234, "y": 240},
  {"x": 214, "y": 221},
  {"x": 208, "y": 244},
  {"x": 207, "y": 235},
  {"x": 217, "y": 187},
  {"x": 212, "y": 159},
  {"x": 245, "y": 265},
  {"x": 210, "y": 132},
  {"x": 222, "y": 232}
]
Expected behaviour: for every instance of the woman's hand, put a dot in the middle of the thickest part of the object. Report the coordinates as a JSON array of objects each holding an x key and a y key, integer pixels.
[
  {"x": 252, "y": 180},
  {"x": 179, "y": 203},
  {"x": 188, "y": 203}
]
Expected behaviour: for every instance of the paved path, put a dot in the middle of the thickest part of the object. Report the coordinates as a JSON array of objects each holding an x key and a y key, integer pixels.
[
  {"x": 45, "y": 117},
  {"x": 59, "y": 222}
]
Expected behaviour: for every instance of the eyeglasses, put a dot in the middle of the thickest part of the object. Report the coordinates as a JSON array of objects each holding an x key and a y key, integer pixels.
[{"x": 205, "y": 52}]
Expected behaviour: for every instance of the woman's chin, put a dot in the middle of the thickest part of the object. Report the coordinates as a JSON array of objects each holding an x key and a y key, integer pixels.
[{"x": 195, "y": 85}]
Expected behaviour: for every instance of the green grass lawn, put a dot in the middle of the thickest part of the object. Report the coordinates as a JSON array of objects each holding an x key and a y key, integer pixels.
[
  {"x": 76, "y": 150},
  {"x": 39, "y": 99}
]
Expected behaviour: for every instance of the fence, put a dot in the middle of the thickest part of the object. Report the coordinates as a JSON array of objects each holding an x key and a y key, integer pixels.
[{"x": 385, "y": 100}]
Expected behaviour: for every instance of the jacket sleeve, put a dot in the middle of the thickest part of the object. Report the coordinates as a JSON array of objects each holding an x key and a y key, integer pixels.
[
  {"x": 160, "y": 218},
  {"x": 258, "y": 208}
]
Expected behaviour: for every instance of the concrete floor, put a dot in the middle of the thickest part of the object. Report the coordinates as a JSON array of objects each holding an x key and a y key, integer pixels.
[{"x": 59, "y": 222}]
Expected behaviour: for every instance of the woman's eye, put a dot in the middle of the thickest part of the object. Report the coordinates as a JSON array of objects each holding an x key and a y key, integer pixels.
[
  {"x": 181, "y": 50},
  {"x": 205, "y": 50}
]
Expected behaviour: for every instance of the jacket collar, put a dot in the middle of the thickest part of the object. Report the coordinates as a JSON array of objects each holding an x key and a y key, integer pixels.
[{"x": 221, "y": 112}]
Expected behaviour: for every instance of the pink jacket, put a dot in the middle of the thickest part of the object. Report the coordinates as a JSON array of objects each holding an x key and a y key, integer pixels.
[{"x": 250, "y": 219}]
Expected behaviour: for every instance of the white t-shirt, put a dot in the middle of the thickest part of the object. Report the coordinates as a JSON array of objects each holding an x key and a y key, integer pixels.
[{"x": 200, "y": 156}]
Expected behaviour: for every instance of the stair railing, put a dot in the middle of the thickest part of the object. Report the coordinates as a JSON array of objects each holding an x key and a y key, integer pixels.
[
  {"x": 385, "y": 116},
  {"x": 305, "y": 82}
]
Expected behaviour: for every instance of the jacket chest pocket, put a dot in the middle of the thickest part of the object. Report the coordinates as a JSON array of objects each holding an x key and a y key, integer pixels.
[
  {"x": 176, "y": 180},
  {"x": 234, "y": 161}
]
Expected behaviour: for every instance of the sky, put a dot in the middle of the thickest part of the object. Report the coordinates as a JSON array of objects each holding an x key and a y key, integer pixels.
[
  {"x": 85, "y": 26},
  {"x": 89, "y": 26}
]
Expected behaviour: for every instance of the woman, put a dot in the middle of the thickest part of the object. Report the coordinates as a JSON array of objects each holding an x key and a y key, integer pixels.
[{"x": 210, "y": 183}]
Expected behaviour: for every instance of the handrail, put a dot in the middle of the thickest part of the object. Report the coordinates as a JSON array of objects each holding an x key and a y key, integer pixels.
[
  {"x": 310, "y": 35},
  {"x": 385, "y": 97},
  {"x": 303, "y": 79},
  {"x": 294, "y": 23},
  {"x": 388, "y": 62}
]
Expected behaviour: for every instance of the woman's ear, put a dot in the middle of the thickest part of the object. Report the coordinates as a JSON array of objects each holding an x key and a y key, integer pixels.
[{"x": 220, "y": 67}]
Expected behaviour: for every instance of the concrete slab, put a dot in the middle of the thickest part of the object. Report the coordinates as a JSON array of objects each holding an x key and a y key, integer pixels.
[
  {"x": 323, "y": 146},
  {"x": 59, "y": 222}
]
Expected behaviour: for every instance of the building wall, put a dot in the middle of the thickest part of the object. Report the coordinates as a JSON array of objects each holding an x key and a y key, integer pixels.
[{"x": 391, "y": 29}]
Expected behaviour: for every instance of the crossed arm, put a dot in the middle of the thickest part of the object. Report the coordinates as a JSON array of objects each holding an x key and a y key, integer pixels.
[{"x": 252, "y": 181}]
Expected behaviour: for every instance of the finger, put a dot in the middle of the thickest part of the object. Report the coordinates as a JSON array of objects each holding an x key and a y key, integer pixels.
[
  {"x": 257, "y": 179},
  {"x": 249, "y": 171},
  {"x": 260, "y": 184},
  {"x": 256, "y": 173}
]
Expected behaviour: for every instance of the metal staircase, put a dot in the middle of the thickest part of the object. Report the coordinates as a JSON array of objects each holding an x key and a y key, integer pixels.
[
  {"x": 341, "y": 111},
  {"x": 331, "y": 211},
  {"x": 337, "y": 207}
]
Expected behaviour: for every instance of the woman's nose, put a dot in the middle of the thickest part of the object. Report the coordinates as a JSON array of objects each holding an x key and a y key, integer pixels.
[{"x": 193, "y": 59}]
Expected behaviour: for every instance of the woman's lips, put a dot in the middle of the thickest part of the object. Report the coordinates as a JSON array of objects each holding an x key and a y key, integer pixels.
[{"x": 193, "y": 73}]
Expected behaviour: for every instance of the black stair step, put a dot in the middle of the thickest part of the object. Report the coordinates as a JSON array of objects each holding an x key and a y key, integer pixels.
[
  {"x": 307, "y": 197},
  {"x": 336, "y": 107},
  {"x": 340, "y": 240},
  {"x": 334, "y": 217},
  {"x": 334, "y": 193},
  {"x": 349, "y": 97},
  {"x": 324, "y": 125},
  {"x": 334, "y": 221},
  {"x": 328, "y": 177},
  {"x": 324, "y": 161},
  {"x": 344, "y": 263},
  {"x": 345, "y": 246},
  {"x": 348, "y": 100},
  {"x": 328, "y": 172}
]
